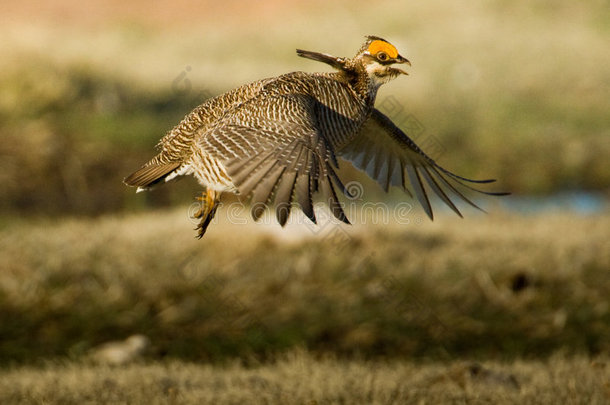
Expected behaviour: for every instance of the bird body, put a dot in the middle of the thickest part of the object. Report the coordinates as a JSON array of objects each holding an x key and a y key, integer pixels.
[{"x": 279, "y": 139}]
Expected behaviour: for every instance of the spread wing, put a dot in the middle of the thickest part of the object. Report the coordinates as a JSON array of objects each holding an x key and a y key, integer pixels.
[
  {"x": 273, "y": 151},
  {"x": 390, "y": 157}
]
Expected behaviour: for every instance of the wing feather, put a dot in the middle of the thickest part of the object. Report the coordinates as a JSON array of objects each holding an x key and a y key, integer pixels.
[
  {"x": 281, "y": 156},
  {"x": 303, "y": 196},
  {"x": 438, "y": 190},
  {"x": 284, "y": 195},
  {"x": 390, "y": 157},
  {"x": 331, "y": 199},
  {"x": 454, "y": 189},
  {"x": 420, "y": 192},
  {"x": 256, "y": 176},
  {"x": 263, "y": 193}
]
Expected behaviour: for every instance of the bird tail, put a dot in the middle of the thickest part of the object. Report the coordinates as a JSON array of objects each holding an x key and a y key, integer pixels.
[{"x": 151, "y": 174}]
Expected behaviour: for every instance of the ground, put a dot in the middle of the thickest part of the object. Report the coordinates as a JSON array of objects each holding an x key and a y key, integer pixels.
[
  {"x": 299, "y": 378},
  {"x": 500, "y": 307}
]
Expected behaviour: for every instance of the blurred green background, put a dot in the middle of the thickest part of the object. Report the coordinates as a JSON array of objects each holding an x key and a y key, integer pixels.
[{"x": 513, "y": 90}]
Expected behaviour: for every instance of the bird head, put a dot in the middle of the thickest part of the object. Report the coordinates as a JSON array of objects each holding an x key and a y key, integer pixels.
[
  {"x": 373, "y": 63},
  {"x": 377, "y": 57}
]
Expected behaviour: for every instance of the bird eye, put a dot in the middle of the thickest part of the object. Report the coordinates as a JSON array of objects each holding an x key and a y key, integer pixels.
[{"x": 382, "y": 56}]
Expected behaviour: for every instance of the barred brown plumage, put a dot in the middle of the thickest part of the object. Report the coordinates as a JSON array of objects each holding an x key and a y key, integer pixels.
[{"x": 279, "y": 140}]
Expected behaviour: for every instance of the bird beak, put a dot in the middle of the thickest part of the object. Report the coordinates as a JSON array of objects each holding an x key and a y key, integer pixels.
[{"x": 401, "y": 59}]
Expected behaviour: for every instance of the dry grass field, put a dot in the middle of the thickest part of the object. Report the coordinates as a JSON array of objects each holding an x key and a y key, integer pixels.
[
  {"x": 498, "y": 308},
  {"x": 498, "y": 286},
  {"x": 301, "y": 379}
]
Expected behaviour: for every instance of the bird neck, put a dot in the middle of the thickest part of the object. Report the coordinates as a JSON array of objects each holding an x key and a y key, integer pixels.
[
  {"x": 363, "y": 85},
  {"x": 354, "y": 74}
]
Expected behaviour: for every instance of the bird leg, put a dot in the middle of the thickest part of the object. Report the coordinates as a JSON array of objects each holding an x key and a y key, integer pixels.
[{"x": 209, "y": 203}]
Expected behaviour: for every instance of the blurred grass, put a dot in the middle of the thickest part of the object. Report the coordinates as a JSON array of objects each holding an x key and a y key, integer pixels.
[
  {"x": 300, "y": 378},
  {"x": 67, "y": 148},
  {"x": 444, "y": 290},
  {"x": 517, "y": 91}
]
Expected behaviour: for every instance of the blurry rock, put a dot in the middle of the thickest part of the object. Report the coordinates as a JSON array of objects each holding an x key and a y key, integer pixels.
[
  {"x": 520, "y": 282},
  {"x": 121, "y": 352}
]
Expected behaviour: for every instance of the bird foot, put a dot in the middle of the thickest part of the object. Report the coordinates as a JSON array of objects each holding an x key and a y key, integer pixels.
[{"x": 209, "y": 203}]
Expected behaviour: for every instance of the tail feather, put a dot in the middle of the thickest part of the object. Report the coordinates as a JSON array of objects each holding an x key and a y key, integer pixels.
[{"x": 150, "y": 174}]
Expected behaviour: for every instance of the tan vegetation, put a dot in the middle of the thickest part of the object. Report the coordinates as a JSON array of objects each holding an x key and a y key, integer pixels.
[
  {"x": 299, "y": 378},
  {"x": 498, "y": 286}
]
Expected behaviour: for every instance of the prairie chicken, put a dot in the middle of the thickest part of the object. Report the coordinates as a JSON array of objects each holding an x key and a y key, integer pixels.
[{"x": 280, "y": 139}]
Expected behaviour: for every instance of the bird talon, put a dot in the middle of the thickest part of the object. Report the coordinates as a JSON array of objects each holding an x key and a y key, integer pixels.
[
  {"x": 209, "y": 204},
  {"x": 199, "y": 213}
]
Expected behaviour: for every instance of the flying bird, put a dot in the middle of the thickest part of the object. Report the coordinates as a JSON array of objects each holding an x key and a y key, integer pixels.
[{"x": 280, "y": 140}]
